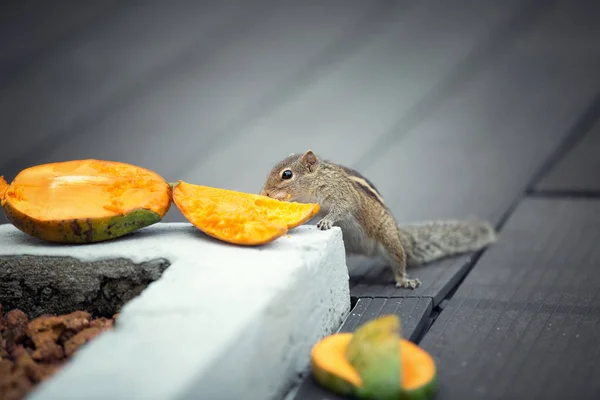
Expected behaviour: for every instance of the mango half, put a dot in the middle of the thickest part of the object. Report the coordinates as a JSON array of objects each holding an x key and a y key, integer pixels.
[
  {"x": 84, "y": 201},
  {"x": 367, "y": 365}
]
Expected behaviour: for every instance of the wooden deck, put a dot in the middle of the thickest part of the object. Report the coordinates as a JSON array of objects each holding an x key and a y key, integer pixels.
[{"x": 469, "y": 108}]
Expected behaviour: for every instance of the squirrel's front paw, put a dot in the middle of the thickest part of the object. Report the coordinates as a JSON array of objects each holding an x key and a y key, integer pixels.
[{"x": 324, "y": 224}]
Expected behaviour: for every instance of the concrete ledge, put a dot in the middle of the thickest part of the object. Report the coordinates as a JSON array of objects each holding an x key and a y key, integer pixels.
[{"x": 222, "y": 322}]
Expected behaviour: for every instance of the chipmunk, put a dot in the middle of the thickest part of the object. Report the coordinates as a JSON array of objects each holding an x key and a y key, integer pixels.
[{"x": 351, "y": 201}]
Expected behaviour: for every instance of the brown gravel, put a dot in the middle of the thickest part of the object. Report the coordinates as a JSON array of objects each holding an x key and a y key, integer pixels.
[{"x": 31, "y": 351}]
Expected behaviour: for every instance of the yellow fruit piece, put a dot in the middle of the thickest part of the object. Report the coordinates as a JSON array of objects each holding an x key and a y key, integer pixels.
[
  {"x": 84, "y": 201},
  {"x": 237, "y": 217},
  {"x": 332, "y": 369}
]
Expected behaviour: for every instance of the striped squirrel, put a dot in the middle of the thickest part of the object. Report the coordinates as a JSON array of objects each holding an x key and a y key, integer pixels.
[{"x": 351, "y": 201}]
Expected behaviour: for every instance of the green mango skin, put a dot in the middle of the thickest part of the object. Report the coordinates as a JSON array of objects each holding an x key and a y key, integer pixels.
[
  {"x": 335, "y": 383},
  {"x": 340, "y": 386},
  {"x": 374, "y": 352},
  {"x": 79, "y": 231}
]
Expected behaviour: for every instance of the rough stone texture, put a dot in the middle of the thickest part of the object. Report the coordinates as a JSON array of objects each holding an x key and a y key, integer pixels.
[
  {"x": 59, "y": 285},
  {"x": 222, "y": 322}
]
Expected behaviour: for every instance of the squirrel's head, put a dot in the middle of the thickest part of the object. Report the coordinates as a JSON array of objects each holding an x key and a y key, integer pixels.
[{"x": 290, "y": 179}]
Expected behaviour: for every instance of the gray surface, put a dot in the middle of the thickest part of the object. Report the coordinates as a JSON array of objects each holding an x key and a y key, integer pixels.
[
  {"x": 216, "y": 73},
  {"x": 60, "y": 285},
  {"x": 346, "y": 108},
  {"x": 578, "y": 172},
  {"x": 370, "y": 278},
  {"x": 477, "y": 153},
  {"x": 65, "y": 92},
  {"x": 30, "y": 28},
  {"x": 525, "y": 322},
  {"x": 413, "y": 315}
]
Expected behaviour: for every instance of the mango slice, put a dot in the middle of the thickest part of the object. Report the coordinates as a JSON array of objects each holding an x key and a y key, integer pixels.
[{"x": 237, "y": 217}]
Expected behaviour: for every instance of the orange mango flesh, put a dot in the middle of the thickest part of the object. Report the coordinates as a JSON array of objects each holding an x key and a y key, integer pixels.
[
  {"x": 3, "y": 187},
  {"x": 237, "y": 217},
  {"x": 418, "y": 367},
  {"x": 89, "y": 189}
]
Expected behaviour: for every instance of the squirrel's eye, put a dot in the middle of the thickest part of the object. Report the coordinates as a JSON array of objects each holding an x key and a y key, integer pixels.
[{"x": 287, "y": 174}]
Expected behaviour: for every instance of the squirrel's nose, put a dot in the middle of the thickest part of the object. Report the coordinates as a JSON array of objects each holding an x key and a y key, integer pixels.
[{"x": 263, "y": 192}]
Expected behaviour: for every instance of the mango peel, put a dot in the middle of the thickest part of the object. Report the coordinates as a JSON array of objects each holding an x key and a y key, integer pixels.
[{"x": 374, "y": 362}]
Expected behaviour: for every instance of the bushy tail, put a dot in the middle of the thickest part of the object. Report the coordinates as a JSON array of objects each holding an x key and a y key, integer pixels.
[{"x": 432, "y": 240}]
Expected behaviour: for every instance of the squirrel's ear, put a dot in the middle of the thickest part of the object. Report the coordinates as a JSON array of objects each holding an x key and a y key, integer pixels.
[{"x": 310, "y": 160}]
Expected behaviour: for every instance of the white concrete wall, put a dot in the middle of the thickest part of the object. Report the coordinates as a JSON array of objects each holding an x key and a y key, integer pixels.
[{"x": 223, "y": 322}]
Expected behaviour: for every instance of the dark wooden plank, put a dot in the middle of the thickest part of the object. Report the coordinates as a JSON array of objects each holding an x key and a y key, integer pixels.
[
  {"x": 477, "y": 152},
  {"x": 579, "y": 170},
  {"x": 31, "y": 28},
  {"x": 59, "y": 96},
  {"x": 525, "y": 322},
  {"x": 347, "y": 106},
  {"x": 373, "y": 278},
  {"x": 179, "y": 115},
  {"x": 275, "y": 47},
  {"x": 413, "y": 315}
]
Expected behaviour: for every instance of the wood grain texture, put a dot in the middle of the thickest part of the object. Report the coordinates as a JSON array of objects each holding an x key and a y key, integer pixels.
[
  {"x": 525, "y": 322},
  {"x": 476, "y": 154}
]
